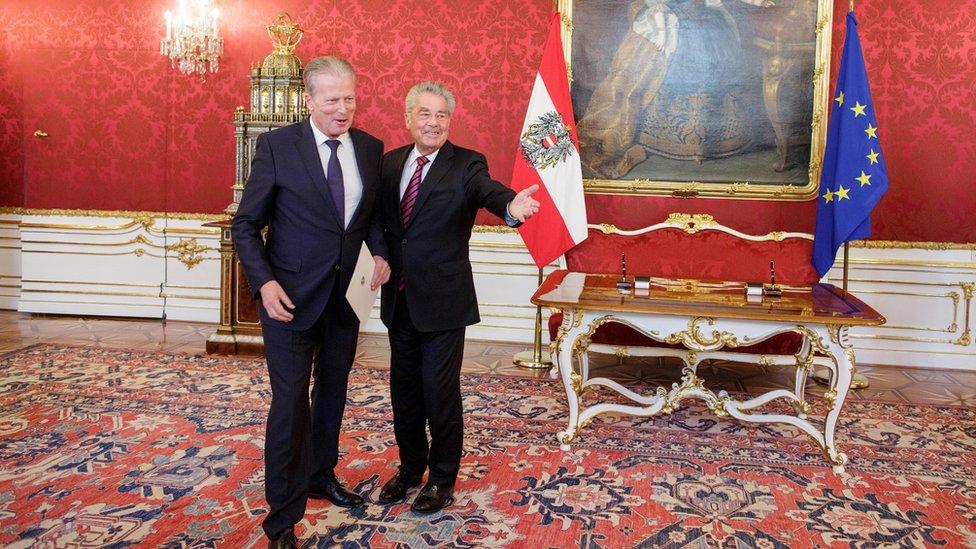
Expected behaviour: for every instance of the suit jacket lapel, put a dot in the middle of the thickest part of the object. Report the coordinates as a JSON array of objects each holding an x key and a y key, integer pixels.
[
  {"x": 393, "y": 186},
  {"x": 360, "y": 149},
  {"x": 309, "y": 152},
  {"x": 438, "y": 169}
]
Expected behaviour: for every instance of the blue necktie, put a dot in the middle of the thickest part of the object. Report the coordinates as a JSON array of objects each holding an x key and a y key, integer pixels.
[{"x": 336, "y": 184}]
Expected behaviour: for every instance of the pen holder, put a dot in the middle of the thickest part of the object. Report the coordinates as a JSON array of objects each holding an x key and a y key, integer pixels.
[{"x": 754, "y": 292}]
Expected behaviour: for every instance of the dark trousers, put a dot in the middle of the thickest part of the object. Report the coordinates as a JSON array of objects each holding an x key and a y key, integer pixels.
[
  {"x": 425, "y": 387},
  {"x": 301, "y": 445}
]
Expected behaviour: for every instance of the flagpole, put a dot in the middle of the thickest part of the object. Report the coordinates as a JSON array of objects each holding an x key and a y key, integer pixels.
[
  {"x": 535, "y": 359},
  {"x": 822, "y": 376},
  {"x": 847, "y": 249}
]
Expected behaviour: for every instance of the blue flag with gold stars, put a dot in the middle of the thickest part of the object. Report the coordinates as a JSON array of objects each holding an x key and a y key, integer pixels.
[{"x": 854, "y": 176}]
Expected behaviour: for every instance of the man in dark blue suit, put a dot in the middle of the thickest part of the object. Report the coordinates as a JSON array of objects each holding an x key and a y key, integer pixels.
[
  {"x": 431, "y": 192},
  {"x": 313, "y": 185}
]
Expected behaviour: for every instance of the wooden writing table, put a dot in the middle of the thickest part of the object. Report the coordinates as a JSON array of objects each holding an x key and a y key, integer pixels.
[{"x": 706, "y": 317}]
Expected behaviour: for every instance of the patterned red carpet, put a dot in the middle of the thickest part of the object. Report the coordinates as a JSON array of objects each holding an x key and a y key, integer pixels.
[{"x": 102, "y": 448}]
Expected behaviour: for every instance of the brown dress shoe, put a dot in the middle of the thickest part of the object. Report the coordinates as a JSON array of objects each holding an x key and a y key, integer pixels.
[
  {"x": 334, "y": 491},
  {"x": 396, "y": 488},
  {"x": 433, "y": 498},
  {"x": 287, "y": 540}
]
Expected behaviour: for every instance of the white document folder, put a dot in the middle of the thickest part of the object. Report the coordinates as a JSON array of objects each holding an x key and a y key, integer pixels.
[{"x": 360, "y": 297}]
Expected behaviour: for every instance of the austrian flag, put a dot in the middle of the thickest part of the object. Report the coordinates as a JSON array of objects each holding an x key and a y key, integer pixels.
[{"x": 548, "y": 155}]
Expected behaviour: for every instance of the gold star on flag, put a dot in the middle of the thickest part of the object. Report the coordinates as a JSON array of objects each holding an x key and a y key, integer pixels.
[
  {"x": 873, "y": 157},
  {"x": 871, "y": 131},
  {"x": 840, "y": 99},
  {"x": 858, "y": 109},
  {"x": 865, "y": 179},
  {"x": 842, "y": 193},
  {"x": 828, "y": 196}
]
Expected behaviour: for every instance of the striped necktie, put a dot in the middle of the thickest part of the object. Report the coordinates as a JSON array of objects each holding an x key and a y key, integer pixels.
[
  {"x": 407, "y": 202},
  {"x": 413, "y": 189}
]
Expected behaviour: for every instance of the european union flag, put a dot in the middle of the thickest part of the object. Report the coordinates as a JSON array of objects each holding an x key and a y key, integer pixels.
[{"x": 854, "y": 176}]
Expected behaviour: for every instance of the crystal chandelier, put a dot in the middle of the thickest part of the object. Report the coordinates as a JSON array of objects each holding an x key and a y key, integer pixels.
[{"x": 192, "y": 43}]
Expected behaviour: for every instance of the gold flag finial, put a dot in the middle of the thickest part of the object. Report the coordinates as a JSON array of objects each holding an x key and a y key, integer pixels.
[{"x": 851, "y": 4}]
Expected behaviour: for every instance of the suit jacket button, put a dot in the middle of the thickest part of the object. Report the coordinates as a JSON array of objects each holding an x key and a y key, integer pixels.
[
  {"x": 337, "y": 267},
  {"x": 404, "y": 241}
]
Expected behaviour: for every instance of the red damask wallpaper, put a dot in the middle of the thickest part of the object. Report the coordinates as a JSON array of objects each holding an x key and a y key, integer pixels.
[{"x": 125, "y": 131}]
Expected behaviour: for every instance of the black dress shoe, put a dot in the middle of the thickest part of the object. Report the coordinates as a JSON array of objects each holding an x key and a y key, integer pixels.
[
  {"x": 335, "y": 492},
  {"x": 287, "y": 540},
  {"x": 396, "y": 488},
  {"x": 433, "y": 498}
]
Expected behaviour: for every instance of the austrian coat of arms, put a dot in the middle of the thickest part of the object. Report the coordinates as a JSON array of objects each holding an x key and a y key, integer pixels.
[{"x": 547, "y": 141}]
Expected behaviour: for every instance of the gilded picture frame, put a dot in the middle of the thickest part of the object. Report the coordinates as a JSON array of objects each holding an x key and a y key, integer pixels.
[{"x": 700, "y": 98}]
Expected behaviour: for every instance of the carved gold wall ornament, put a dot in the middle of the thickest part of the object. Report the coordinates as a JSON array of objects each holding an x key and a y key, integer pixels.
[{"x": 189, "y": 252}]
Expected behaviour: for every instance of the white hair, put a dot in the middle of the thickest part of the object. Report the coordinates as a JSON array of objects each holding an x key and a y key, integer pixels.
[
  {"x": 326, "y": 64},
  {"x": 435, "y": 88}
]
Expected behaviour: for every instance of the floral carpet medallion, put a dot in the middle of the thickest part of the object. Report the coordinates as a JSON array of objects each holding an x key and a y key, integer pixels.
[{"x": 102, "y": 448}]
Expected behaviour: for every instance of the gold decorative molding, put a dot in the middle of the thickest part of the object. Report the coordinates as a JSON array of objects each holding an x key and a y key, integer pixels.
[
  {"x": 914, "y": 263},
  {"x": 582, "y": 341},
  {"x": 494, "y": 229},
  {"x": 113, "y": 213},
  {"x": 189, "y": 252},
  {"x": 831, "y": 398},
  {"x": 910, "y": 245},
  {"x": 693, "y": 386},
  {"x": 576, "y": 381},
  {"x": 691, "y": 223},
  {"x": 695, "y": 340}
]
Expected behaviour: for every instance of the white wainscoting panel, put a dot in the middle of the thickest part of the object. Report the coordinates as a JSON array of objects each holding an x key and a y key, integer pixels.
[
  {"x": 191, "y": 282},
  {"x": 926, "y": 296},
  {"x": 9, "y": 260},
  {"x": 156, "y": 265},
  {"x": 143, "y": 266}
]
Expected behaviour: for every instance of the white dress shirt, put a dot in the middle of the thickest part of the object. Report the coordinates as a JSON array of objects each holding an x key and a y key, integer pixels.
[
  {"x": 411, "y": 167},
  {"x": 352, "y": 181}
]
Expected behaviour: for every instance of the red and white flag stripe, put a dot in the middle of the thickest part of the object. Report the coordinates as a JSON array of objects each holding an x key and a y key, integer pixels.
[{"x": 560, "y": 223}]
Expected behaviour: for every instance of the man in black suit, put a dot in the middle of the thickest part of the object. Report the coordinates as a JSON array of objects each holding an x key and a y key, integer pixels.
[
  {"x": 431, "y": 191},
  {"x": 313, "y": 184}
]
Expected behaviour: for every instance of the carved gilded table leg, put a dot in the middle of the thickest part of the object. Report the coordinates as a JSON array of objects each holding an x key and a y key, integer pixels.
[
  {"x": 569, "y": 332},
  {"x": 839, "y": 349}
]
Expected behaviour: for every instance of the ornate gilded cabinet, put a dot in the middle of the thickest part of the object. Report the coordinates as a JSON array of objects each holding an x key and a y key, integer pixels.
[{"x": 276, "y": 100}]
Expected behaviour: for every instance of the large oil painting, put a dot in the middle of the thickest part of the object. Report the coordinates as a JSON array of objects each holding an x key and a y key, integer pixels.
[{"x": 700, "y": 97}]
